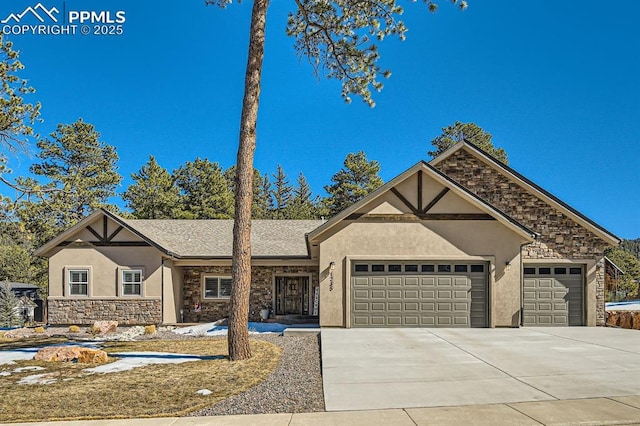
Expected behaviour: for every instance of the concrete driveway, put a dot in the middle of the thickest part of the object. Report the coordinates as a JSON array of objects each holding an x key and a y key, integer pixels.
[{"x": 418, "y": 367}]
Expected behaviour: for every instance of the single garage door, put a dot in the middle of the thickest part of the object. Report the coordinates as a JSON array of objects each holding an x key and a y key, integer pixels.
[
  {"x": 413, "y": 294},
  {"x": 553, "y": 295}
]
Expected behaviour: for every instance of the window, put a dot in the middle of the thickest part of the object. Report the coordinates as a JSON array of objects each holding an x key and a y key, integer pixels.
[
  {"x": 395, "y": 268},
  {"x": 444, "y": 268},
  {"x": 377, "y": 268},
  {"x": 559, "y": 271},
  {"x": 544, "y": 271},
  {"x": 78, "y": 282},
  {"x": 575, "y": 271},
  {"x": 477, "y": 268},
  {"x": 529, "y": 271},
  {"x": 428, "y": 268},
  {"x": 132, "y": 282},
  {"x": 460, "y": 268},
  {"x": 411, "y": 268},
  {"x": 217, "y": 287},
  {"x": 362, "y": 268}
]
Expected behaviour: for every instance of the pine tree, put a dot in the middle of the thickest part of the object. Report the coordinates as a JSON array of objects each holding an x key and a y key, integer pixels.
[
  {"x": 80, "y": 175},
  {"x": 154, "y": 194},
  {"x": 338, "y": 37},
  {"x": 353, "y": 182},
  {"x": 16, "y": 117},
  {"x": 9, "y": 314},
  {"x": 302, "y": 205},
  {"x": 260, "y": 204},
  {"x": 204, "y": 190},
  {"x": 281, "y": 193},
  {"x": 469, "y": 132}
]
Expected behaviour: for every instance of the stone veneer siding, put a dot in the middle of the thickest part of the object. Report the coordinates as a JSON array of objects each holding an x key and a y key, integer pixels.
[
  {"x": 262, "y": 279},
  {"x": 560, "y": 236},
  {"x": 88, "y": 311}
]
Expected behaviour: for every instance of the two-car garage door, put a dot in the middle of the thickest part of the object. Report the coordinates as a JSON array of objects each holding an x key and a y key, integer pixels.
[{"x": 419, "y": 294}]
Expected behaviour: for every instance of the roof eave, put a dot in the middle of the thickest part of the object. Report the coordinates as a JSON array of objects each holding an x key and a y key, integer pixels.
[{"x": 506, "y": 220}]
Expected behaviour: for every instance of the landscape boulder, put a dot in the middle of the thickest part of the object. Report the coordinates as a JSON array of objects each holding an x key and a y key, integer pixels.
[
  {"x": 613, "y": 318},
  {"x": 104, "y": 327},
  {"x": 71, "y": 354}
]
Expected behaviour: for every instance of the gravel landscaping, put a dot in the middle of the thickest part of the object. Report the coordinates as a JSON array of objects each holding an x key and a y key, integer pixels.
[{"x": 294, "y": 387}]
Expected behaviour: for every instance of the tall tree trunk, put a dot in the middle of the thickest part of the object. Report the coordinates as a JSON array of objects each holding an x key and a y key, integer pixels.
[{"x": 238, "y": 338}]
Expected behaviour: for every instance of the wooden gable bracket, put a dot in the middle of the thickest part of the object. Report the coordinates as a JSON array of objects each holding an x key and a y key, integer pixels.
[
  {"x": 419, "y": 212},
  {"x": 107, "y": 240}
]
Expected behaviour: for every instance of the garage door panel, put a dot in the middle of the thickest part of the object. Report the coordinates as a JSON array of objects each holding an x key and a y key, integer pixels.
[
  {"x": 429, "y": 300},
  {"x": 394, "y": 320},
  {"x": 461, "y": 282},
  {"x": 361, "y": 281},
  {"x": 411, "y": 281},
  {"x": 444, "y": 282},
  {"x": 460, "y": 294},
  {"x": 378, "y": 306},
  {"x": 428, "y": 294},
  {"x": 444, "y": 294},
  {"x": 395, "y": 281},
  {"x": 411, "y": 320},
  {"x": 391, "y": 307},
  {"x": 361, "y": 294},
  {"x": 553, "y": 300},
  {"x": 360, "y": 306},
  {"x": 461, "y": 306},
  {"x": 378, "y": 281},
  {"x": 411, "y": 294},
  {"x": 378, "y": 320},
  {"x": 394, "y": 294},
  {"x": 411, "y": 307},
  {"x": 427, "y": 321},
  {"x": 378, "y": 294},
  {"x": 461, "y": 321},
  {"x": 444, "y": 307}
]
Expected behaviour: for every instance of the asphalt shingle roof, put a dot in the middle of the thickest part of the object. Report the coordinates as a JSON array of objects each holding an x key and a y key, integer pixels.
[{"x": 214, "y": 238}]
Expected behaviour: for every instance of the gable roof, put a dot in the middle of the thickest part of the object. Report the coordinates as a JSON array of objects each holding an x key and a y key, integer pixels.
[
  {"x": 443, "y": 179},
  {"x": 532, "y": 187},
  {"x": 202, "y": 239},
  {"x": 214, "y": 238}
]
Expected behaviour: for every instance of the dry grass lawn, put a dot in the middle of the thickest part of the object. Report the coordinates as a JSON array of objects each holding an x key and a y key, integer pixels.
[{"x": 151, "y": 391}]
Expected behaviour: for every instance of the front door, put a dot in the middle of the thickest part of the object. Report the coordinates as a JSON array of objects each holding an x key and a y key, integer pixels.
[{"x": 292, "y": 295}]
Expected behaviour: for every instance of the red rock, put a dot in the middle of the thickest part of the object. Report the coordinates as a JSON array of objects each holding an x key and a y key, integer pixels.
[
  {"x": 626, "y": 320},
  {"x": 71, "y": 354},
  {"x": 613, "y": 318},
  {"x": 104, "y": 327}
]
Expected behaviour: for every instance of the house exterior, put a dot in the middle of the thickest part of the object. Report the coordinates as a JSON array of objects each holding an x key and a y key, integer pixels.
[
  {"x": 462, "y": 241},
  {"x": 31, "y": 304}
]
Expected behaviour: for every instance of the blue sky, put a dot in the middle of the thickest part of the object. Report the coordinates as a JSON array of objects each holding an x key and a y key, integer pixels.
[{"x": 555, "y": 83}]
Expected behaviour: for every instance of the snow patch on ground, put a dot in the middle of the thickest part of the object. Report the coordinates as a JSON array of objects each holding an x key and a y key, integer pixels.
[
  {"x": 38, "y": 379},
  {"x": 130, "y": 360},
  {"x": 212, "y": 329},
  {"x": 623, "y": 306}
]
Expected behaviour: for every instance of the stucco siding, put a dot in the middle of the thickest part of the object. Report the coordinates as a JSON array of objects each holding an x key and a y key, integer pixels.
[
  {"x": 104, "y": 264},
  {"x": 445, "y": 240}
]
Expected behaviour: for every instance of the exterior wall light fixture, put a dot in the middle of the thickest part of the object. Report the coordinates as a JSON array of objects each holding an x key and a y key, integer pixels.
[{"x": 332, "y": 267}]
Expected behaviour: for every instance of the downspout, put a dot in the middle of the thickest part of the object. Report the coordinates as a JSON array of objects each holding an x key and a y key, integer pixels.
[{"x": 535, "y": 238}]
